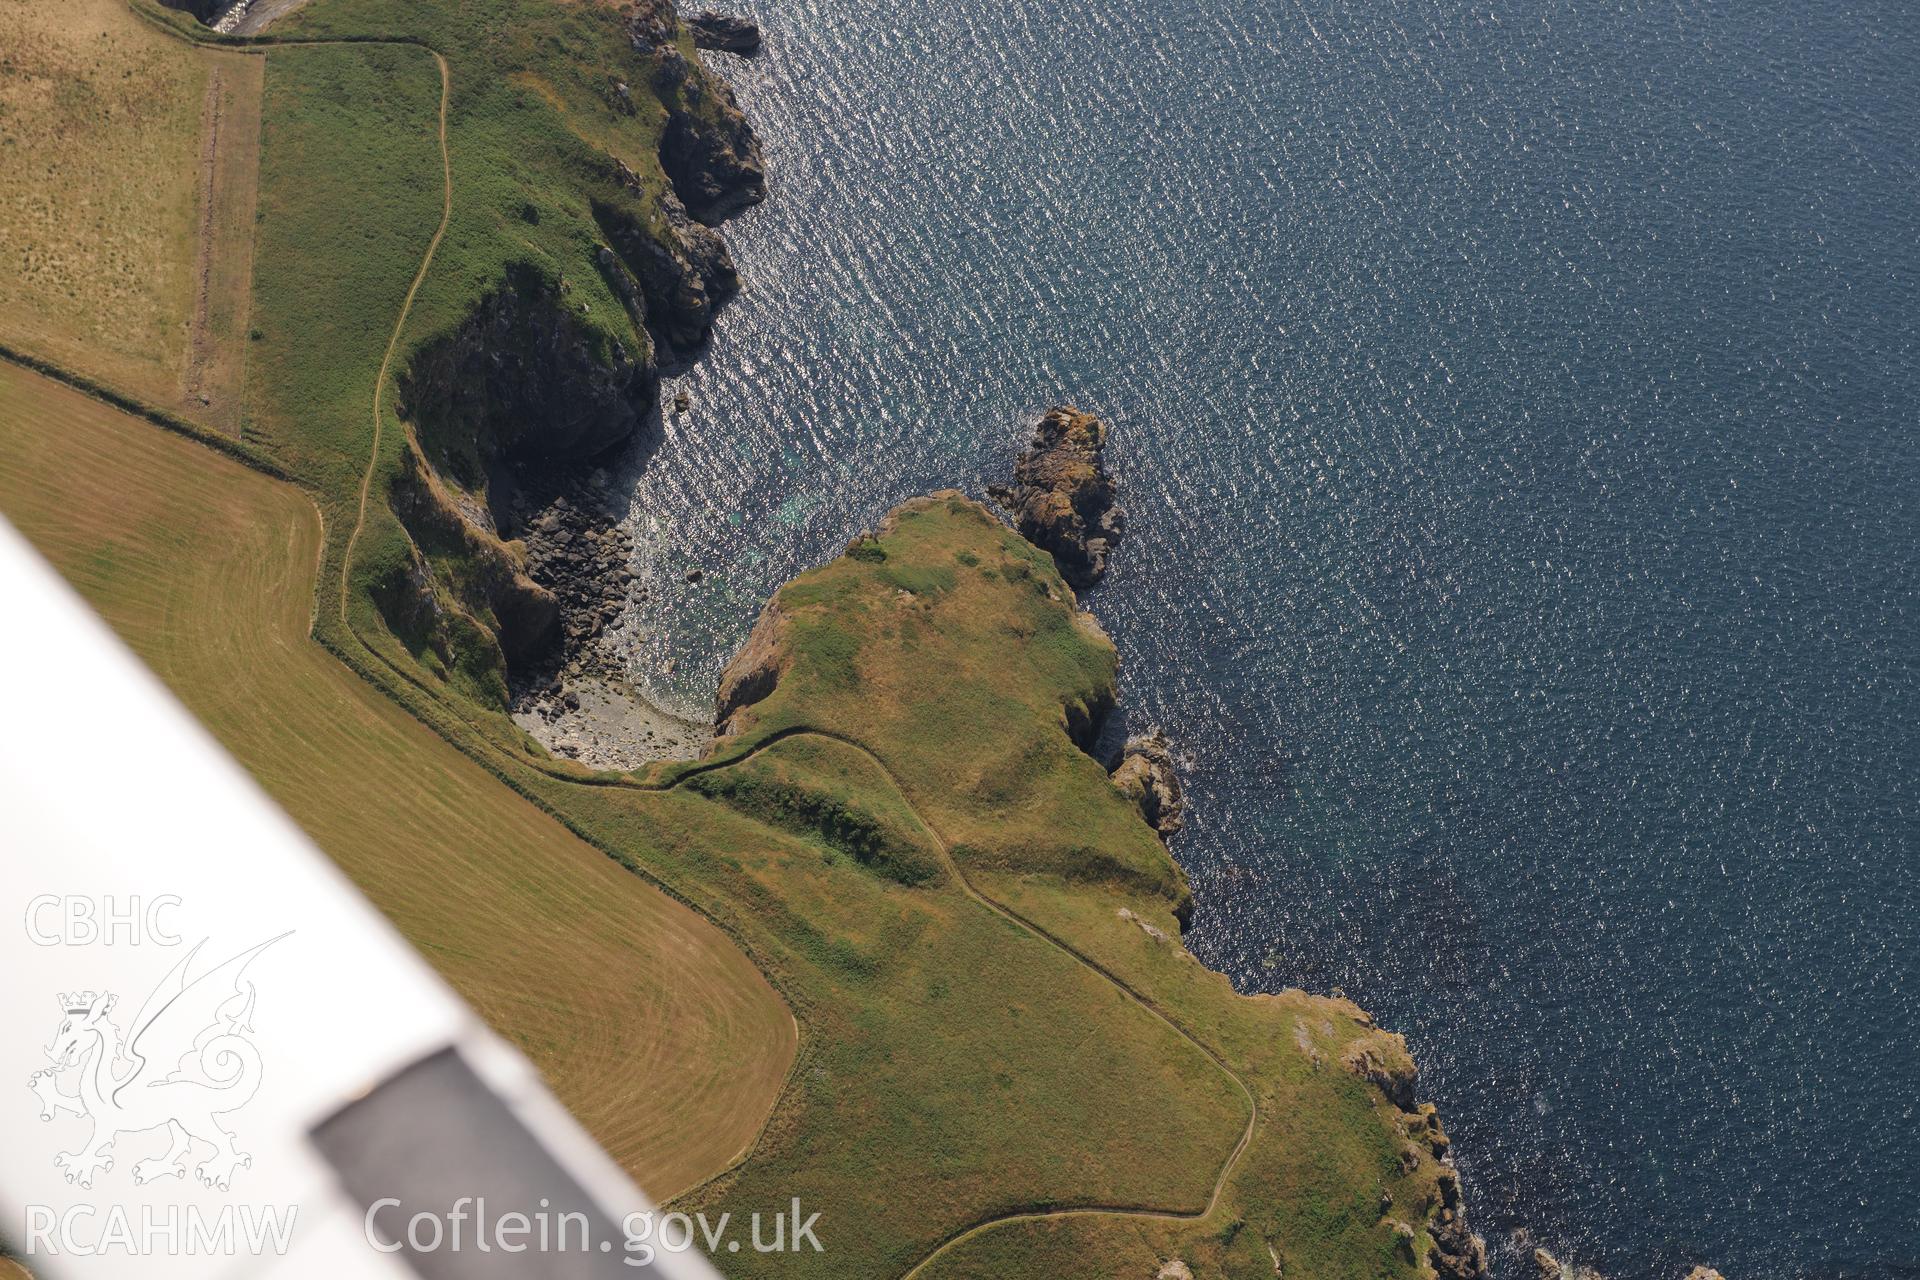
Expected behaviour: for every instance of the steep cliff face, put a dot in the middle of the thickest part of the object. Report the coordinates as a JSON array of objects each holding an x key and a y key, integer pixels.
[
  {"x": 203, "y": 10},
  {"x": 753, "y": 671},
  {"x": 671, "y": 271},
  {"x": 1148, "y": 775},
  {"x": 1457, "y": 1253},
  {"x": 521, "y": 380},
  {"x": 531, "y": 377},
  {"x": 712, "y": 157},
  {"x": 460, "y": 593},
  {"x": 522, "y": 375},
  {"x": 708, "y": 150}
]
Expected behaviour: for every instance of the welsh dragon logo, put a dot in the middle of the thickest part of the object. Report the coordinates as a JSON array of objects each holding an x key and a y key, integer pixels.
[{"x": 185, "y": 1061}]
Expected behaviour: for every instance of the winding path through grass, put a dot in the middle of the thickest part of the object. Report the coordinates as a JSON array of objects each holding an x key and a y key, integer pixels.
[
  {"x": 1000, "y": 909},
  {"x": 393, "y": 343}
]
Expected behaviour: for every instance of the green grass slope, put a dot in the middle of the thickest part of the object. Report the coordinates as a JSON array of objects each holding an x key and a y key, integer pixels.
[{"x": 561, "y": 214}]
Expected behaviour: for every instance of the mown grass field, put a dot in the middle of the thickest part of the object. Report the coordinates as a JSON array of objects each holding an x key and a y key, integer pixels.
[
  {"x": 648, "y": 1021},
  {"x": 229, "y": 184},
  {"x": 100, "y": 175}
]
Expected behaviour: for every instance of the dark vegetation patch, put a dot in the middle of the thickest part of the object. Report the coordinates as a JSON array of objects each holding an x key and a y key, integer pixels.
[{"x": 835, "y": 819}]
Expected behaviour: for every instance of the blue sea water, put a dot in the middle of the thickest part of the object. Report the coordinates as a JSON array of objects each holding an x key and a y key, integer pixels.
[{"x": 1516, "y": 405}]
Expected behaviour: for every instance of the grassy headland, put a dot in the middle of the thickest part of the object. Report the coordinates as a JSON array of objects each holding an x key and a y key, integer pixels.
[{"x": 950, "y": 654}]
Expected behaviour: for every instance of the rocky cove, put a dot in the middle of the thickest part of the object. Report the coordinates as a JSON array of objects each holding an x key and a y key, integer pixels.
[{"x": 522, "y": 404}]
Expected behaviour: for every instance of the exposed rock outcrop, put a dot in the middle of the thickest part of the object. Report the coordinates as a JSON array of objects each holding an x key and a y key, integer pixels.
[
  {"x": 724, "y": 31},
  {"x": 672, "y": 283},
  {"x": 1380, "y": 1057},
  {"x": 1457, "y": 1253},
  {"x": 579, "y": 699},
  {"x": 707, "y": 149},
  {"x": 754, "y": 670},
  {"x": 1382, "y": 1060},
  {"x": 713, "y": 159},
  {"x": 577, "y": 549},
  {"x": 1148, "y": 776},
  {"x": 1062, "y": 498}
]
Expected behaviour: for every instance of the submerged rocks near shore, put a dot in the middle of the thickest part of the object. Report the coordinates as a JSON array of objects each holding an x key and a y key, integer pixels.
[
  {"x": 1548, "y": 1267},
  {"x": 1062, "y": 499}
]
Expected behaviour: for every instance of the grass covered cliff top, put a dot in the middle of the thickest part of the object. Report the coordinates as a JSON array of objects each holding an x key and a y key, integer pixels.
[{"x": 947, "y": 653}]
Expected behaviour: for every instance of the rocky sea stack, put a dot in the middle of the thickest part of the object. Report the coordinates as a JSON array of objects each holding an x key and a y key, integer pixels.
[
  {"x": 724, "y": 31},
  {"x": 1062, "y": 499}
]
